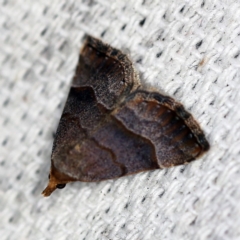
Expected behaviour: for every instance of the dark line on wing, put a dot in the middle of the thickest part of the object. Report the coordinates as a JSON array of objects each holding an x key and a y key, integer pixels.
[
  {"x": 122, "y": 166},
  {"x": 155, "y": 159}
]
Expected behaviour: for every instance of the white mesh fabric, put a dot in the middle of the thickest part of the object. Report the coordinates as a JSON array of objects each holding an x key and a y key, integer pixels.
[{"x": 187, "y": 49}]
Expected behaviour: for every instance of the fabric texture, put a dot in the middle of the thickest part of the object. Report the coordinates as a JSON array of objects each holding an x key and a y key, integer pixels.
[{"x": 189, "y": 50}]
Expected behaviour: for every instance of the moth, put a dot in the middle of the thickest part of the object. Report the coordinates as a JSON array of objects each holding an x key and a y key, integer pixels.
[{"x": 112, "y": 127}]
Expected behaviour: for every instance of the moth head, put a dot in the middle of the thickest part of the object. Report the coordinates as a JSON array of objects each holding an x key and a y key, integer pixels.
[{"x": 55, "y": 181}]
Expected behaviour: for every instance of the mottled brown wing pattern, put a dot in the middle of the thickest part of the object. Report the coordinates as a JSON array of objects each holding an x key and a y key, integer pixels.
[
  {"x": 109, "y": 72},
  {"x": 109, "y": 128},
  {"x": 167, "y": 125}
]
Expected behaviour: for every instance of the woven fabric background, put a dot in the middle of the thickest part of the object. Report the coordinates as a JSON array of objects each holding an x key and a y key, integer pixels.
[{"x": 187, "y": 49}]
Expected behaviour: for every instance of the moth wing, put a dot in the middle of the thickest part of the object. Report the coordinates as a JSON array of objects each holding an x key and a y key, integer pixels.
[
  {"x": 80, "y": 116},
  {"x": 92, "y": 145},
  {"x": 175, "y": 135},
  {"x": 107, "y": 70}
]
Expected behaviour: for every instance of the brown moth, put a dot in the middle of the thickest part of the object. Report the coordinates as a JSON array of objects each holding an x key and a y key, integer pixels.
[{"x": 111, "y": 127}]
